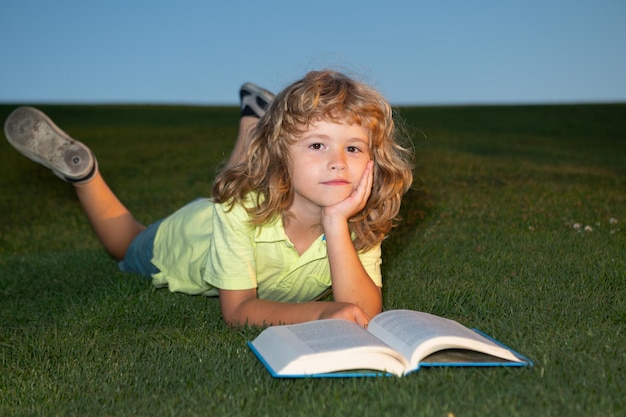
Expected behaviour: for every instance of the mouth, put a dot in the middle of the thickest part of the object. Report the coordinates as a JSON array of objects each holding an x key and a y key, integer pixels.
[{"x": 336, "y": 182}]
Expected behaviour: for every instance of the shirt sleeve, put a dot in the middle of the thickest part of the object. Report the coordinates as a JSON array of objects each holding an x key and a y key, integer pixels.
[{"x": 231, "y": 263}]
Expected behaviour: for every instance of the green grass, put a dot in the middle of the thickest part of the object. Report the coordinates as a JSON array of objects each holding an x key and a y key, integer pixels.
[{"x": 490, "y": 238}]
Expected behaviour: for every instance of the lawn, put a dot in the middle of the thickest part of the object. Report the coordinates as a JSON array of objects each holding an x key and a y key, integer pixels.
[{"x": 516, "y": 225}]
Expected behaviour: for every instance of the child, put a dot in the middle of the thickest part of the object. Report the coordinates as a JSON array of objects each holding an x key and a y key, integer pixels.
[{"x": 312, "y": 188}]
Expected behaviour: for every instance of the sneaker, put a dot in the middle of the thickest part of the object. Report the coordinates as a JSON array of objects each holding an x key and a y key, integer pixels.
[
  {"x": 254, "y": 100},
  {"x": 36, "y": 137}
]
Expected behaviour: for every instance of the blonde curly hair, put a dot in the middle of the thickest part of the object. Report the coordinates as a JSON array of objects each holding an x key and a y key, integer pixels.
[{"x": 321, "y": 95}]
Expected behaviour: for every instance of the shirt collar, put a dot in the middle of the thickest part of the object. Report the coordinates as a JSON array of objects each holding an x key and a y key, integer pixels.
[{"x": 275, "y": 232}]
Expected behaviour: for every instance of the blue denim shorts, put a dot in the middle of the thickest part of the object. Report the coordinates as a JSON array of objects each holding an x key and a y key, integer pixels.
[{"x": 138, "y": 258}]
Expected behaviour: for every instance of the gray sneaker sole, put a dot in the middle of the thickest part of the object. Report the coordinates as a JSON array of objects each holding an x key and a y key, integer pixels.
[{"x": 35, "y": 136}]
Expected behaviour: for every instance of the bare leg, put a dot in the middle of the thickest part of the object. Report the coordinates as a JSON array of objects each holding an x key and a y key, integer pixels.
[
  {"x": 246, "y": 125},
  {"x": 254, "y": 103},
  {"x": 113, "y": 223}
]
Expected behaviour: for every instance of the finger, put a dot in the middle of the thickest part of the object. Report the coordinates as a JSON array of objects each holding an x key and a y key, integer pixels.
[
  {"x": 370, "y": 179},
  {"x": 362, "y": 319},
  {"x": 365, "y": 183}
]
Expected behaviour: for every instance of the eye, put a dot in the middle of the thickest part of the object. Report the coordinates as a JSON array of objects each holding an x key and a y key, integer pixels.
[
  {"x": 353, "y": 149},
  {"x": 316, "y": 146}
]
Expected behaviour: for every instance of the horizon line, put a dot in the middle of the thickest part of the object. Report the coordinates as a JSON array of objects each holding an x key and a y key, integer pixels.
[{"x": 235, "y": 104}]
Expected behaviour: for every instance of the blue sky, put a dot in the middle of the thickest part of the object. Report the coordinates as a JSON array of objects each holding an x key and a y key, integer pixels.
[{"x": 415, "y": 52}]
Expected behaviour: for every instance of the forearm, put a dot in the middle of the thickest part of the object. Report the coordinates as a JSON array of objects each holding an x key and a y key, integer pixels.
[
  {"x": 351, "y": 282},
  {"x": 243, "y": 307},
  {"x": 264, "y": 312}
]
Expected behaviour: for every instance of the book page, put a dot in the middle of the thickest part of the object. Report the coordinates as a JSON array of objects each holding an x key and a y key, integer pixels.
[
  {"x": 324, "y": 335},
  {"x": 324, "y": 346},
  {"x": 416, "y": 335}
]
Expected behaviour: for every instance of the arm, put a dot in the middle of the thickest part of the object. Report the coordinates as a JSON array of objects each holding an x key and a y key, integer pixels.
[
  {"x": 243, "y": 307},
  {"x": 351, "y": 283}
]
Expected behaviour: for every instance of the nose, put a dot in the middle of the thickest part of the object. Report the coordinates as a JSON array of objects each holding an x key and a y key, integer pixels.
[{"x": 337, "y": 162}]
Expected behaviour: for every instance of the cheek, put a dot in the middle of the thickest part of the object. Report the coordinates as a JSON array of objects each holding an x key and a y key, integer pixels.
[
  {"x": 300, "y": 174},
  {"x": 363, "y": 164}
]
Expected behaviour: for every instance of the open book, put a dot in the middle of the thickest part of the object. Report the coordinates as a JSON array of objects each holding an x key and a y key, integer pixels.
[{"x": 396, "y": 342}]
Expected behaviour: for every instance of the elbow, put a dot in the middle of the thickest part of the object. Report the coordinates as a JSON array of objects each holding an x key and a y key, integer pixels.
[
  {"x": 376, "y": 306},
  {"x": 375, "y": 310},
  {"x": 230, "y": 322},
  {"x": 235, "y": 306},
  {"x": 232, "y": 319}
]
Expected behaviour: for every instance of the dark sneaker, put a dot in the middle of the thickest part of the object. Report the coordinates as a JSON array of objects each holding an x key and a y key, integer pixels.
[
  {"x": 254, "y": 100},
  {"x": 36, "y": 137}
]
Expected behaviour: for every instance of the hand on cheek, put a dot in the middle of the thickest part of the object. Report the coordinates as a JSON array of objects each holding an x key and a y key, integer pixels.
[{"x": 356, "y": 201}]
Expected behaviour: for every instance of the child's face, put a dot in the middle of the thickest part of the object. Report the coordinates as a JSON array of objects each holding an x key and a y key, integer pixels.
[{"x": 328, "y": 162}]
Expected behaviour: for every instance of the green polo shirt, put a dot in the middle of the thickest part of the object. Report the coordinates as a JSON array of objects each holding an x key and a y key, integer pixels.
[{"x": 204, "y": 247}]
